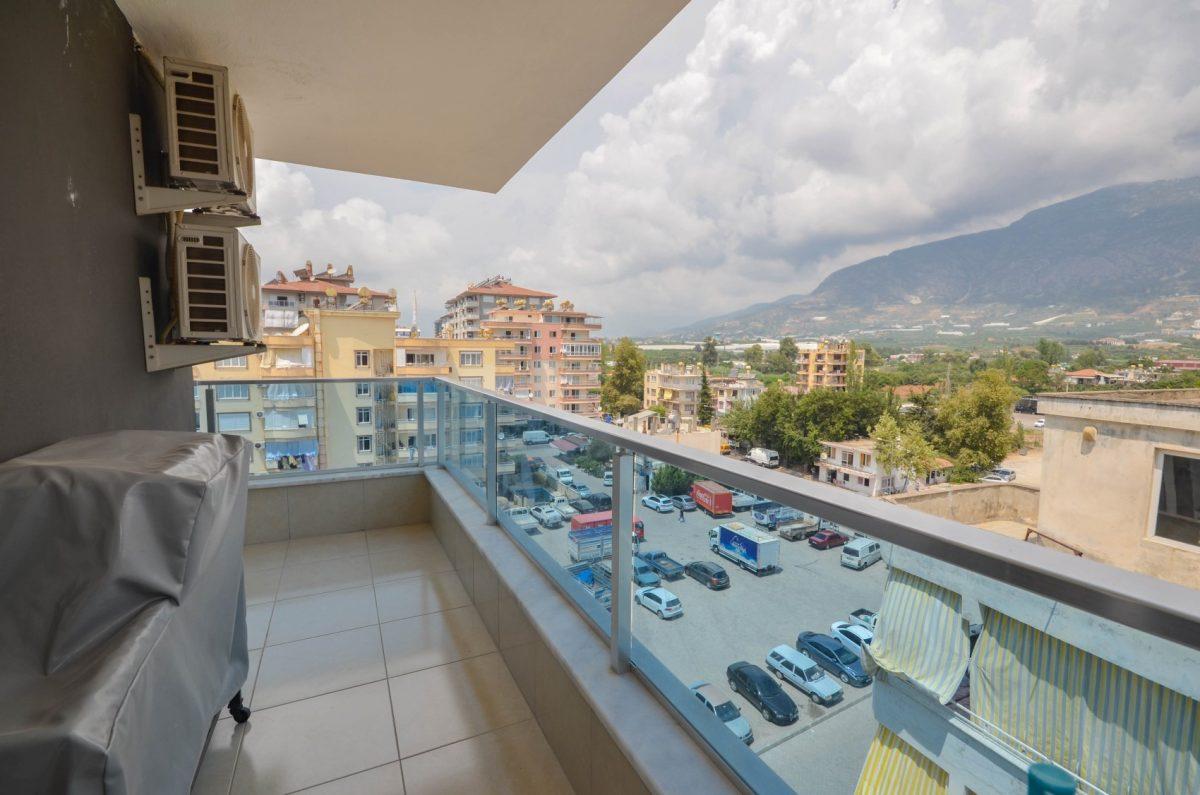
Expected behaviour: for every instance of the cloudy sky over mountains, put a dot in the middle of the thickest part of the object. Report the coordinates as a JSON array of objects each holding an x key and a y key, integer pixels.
[{"x": 755, "y": 146}]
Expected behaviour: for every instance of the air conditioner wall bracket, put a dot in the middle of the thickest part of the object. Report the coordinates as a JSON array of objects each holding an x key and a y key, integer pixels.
[
  {"x": 170, "y": 356},
  {"x": 149, "y": 200}
]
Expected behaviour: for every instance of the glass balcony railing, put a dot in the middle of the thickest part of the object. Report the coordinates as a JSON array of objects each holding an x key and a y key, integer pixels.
[{"x": 814, "y": 638}]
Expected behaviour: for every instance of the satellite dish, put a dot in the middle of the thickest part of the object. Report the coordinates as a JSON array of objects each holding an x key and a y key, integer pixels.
[
  {"x": 364, "y": 293},
  {"x": 330, "y": 292}
]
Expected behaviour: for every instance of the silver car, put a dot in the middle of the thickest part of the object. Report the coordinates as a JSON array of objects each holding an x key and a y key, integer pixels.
[
  {"x": 716, "y": 702},
  {"x": 795, "y": 667},
  {"x": 548, "y": 517}
]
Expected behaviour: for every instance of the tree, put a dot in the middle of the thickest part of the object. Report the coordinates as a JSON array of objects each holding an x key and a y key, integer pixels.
[
  {"x": 704, "y": 411},
  {"x": 1091, "y": 358},
  {"x": 1032, "y": 375},
  {"x": 754, "y": 356},
  {"x": 1051, "y": 351},
  {"x": 621, "y": 392},
  {"x": 903, "y": 449},
  {"x": 776, "y": 362},
  {"x": 973, "y": 423},
  {"x": 787, "y": 346},
  {"x": 708, "y": 355},
  {"x": 671, "y": 481}
]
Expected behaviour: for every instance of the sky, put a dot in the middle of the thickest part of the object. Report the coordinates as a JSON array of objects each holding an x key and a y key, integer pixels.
[{"x": 755, "y": 146}]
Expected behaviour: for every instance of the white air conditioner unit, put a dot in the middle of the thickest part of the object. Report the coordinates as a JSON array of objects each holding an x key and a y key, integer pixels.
[
  {"x": 216, "y": 284},
  {"x": 210, "y": 145}
]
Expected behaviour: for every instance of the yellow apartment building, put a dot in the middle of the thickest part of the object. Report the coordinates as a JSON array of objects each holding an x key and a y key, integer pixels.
[{"x": 828, "y": 364}]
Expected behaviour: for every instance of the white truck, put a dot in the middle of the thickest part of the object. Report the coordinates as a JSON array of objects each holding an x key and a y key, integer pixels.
[
  {"x": 763, "y": 457},
  {"x": 535, "y": 437},
  {"x": 748, "y": 547}
]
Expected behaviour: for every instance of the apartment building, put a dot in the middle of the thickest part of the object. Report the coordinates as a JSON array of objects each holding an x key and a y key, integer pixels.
[
  {"x": 1147, "y": 518},
  {"x": 677, "y": 388},
  {"x": 466, "y": 311},
  {"x": 852, "y": 464},
  {"x": 828, "y": 364}
]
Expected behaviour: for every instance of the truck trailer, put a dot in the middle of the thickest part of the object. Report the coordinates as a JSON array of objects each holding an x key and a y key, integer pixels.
[
  {"x": 712, "y": 498},
  {"x": 748, "y": 547}
]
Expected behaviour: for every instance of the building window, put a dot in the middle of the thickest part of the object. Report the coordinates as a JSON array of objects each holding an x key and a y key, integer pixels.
[
  {"x": 286, "y": 419},
  {"x": 537, "y": 333},
  {"x": 233, "y": 391},
  {"x": 233, "y": 422},
  {"x": 237, "y": 362},
  {"x": 474, "y": 380},
  {"x": 553, "y": 333},
  {"x": 364, "y": 444},
  {"x": 197, "y": 420},
  {"x": 1178, "y": 516},
  {"x": 537, "y": 348},
  {"x": 470, "y": 359},
  {"x": 363, "y": 415},
  {"x": 866, "y": 460},
  {"x": 362, "y": 358},
  {"x": 362, "y": 389},
  {"x": 551, "y": 350}
]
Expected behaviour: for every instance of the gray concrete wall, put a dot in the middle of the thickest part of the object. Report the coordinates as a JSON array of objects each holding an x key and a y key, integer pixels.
[
  {"x": 976, "y": 502},
  {"x": 71, "y": 358}
]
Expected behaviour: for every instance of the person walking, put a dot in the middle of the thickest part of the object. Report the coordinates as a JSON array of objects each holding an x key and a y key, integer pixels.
[{"x": 682, "y": 517}]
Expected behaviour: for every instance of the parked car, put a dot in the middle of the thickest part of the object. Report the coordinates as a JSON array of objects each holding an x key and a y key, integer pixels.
[
  {"x": 763, "y": 692},
  {"x": 582, "y": 506},
  {"x": 1040, "y": 422},
  {"x": 564, "y": 507},
  {"x": 535, "y": 437},
  {"x": 662, "y": 563},
  {"x": 608, "y": 477},
  {"x": 725, "y": 710},
  {"x": 564, "y": 476},
  {"x": 793, "y": 666},
  {"x": 767, "y": 512},
  {"x": 658, "y": 503},
  {"x": 547, "y": 516},
  {"x": 683, "y": 501},
  {"x": 763, "y": 457},
  {"x": 861, "y": 552},
  {"x": 864, "y": 618},
  {"x": 583, "y": 490},
  {"x": 644, "y": 576},
  {"x": 1001, "y": 475},
  {"x": 600, "y": 500},
  {"x": 659, "y": 601},
  {"x": 829, "y": 653},
  {"x": 710, "y": 575},
  {"x": 851, "y": 636},
  {"x": 826, "y": 539},
  {"x": 522, "y": 519}
]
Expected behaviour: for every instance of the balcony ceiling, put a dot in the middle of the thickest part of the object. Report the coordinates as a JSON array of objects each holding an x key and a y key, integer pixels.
[{"x": 452, "y": 93}]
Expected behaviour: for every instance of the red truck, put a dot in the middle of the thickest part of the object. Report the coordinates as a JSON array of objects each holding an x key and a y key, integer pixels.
[
  {"x": 586, "y": 521},
  {"x": 713, "y": 498}
]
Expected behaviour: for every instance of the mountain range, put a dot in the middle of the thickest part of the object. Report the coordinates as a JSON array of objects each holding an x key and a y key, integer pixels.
[{"x": 1110, "y": 252}]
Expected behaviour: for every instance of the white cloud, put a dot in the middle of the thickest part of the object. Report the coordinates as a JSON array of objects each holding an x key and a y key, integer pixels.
[{"x": 795, "y": 137}]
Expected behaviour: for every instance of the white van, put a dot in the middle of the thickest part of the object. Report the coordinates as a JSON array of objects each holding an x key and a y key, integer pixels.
[
  {"x": 860, "y": 553},
  {"x": 564, "y": 476},
  {"x": 763, "y": 457},
  {"x": 535, "y": 437}
]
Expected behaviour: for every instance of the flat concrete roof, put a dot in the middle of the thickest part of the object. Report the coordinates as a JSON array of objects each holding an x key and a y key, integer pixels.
[{"x": 1147, "y": 397}]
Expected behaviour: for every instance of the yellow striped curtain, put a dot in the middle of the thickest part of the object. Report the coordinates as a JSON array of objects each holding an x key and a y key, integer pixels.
[
  {"x": 894, "y": 767},
  {"x": 1112, "y": 728},
  {"x": 921, "y": 635}
]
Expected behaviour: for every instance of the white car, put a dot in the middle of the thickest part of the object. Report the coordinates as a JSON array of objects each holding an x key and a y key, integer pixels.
[
  {"x": 716, "y": 702},
  {"x": 658, "y": 503},
  {"x": 851, "y": 636},
  {"x": 547, "y": 517},
  {"x": 563, "y": 506},
  {"x": 659, "y": 601},
  {"x": 1040, "y": 422},
  {"x": 607, "y": 480},
  {"x": 522, "y": 518}
]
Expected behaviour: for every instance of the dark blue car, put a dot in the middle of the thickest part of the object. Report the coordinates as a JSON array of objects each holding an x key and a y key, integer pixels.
[{"x": 833, "y": 657}]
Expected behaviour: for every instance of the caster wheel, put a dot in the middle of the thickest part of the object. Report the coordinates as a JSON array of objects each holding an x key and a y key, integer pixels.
[{"x": 240, "y": 714}]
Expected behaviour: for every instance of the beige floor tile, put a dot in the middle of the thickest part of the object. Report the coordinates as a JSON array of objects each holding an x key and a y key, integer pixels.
[
  {"x": 385, "y": 780},
  {"x": 326, "y": 547},
  {"x": 398, "y": 563},
  {"x": 216, "y": 766},
  {"x": 514, "y": 759},
  {"x": 416, "y": 596},
  {"x": 261, "y": 585},
  {"x": 257, "y": 619},
  {"x": 264, "y": 556},
  {"x": 387, "y": 539},
  {"x": 306, "y": 579},
  {"x": 315, "y": 740},
  {"x": 310, "y": 616},
  {"x": 453, "y": 702},
  {"x": 434, "y": 639},
  {"x": 307, "y": 668}
]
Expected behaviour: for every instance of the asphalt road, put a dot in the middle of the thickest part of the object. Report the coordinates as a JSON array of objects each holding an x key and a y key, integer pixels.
[{"x": 744, "y": 622}]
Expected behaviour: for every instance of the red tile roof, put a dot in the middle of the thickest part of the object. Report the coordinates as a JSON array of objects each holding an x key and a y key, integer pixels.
[
  {"x": 505, "y": 289},
  {"x": 317, "y": 286},
  {"x": 1087, "y": 372}
]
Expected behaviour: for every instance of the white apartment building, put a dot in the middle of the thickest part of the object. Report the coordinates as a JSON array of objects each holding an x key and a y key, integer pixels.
[{"x": 852, "y": 464}]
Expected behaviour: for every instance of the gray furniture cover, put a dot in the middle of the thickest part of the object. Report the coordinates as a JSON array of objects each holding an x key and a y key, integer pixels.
[{"x": 122, "y": 609}]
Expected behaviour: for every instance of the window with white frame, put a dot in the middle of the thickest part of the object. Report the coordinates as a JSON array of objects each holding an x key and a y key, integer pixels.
[
  {"x": 363, "y": 415},
  {"x": 233, "y": 421},
  {"x": 233, "y": 391},
  {"x": 362, "y": 358},
  {"x": 237, "y": 362},
  {"x": 287, "y": 419},
  {"x": 362, "y": 389},
  {"x": 470, "y": 358},
  {"x": 364, "y": 444},
  {"x": 1178, "y": 515}
]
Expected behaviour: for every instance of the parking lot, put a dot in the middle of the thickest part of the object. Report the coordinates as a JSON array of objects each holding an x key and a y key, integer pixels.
[{"x": 744, "y": 622}]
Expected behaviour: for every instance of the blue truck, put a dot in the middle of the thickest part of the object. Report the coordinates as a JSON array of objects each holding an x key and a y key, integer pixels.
[{"x": 748, "y": 547}]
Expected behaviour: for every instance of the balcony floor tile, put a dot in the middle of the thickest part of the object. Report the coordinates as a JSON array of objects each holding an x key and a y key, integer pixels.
[
  {"x": 311, "y": 616},
  {"x": 307, "y": 579},
  {"x": 434, "y": 639},
  {"x": 326, "y": 547},
  {"x": 515, "y": 759},
  {"x": 312, "y": 667},
  {"x": 417, "y": 596}
]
